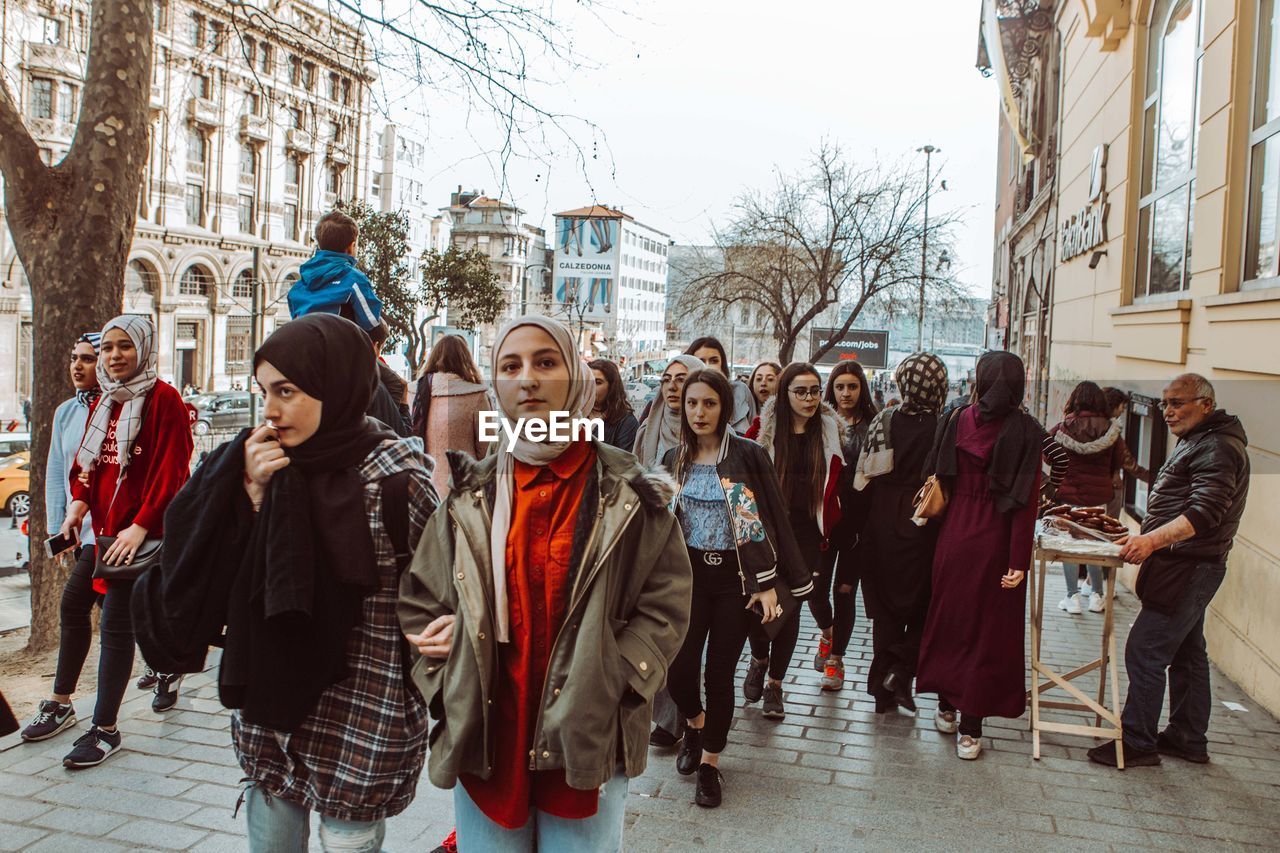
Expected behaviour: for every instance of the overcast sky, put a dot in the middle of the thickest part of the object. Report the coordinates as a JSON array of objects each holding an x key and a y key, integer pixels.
[{"x": 699, "y": 99}]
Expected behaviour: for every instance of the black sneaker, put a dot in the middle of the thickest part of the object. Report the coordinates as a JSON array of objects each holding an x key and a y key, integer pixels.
[
  {"x": 1106, "y": 755},
  {"x": 92, "y": 748},
  {"x": 662, "y": 738},
  {"x": 707, "y": 793},
  {"x": 148, "y": 679},
  {"x": 690, "y": 754},
  {"x": 753, "y": 684},
  {"x": 166, "y": 693},
  {"x": 1171, "y": 744},
  {"x": 49, "y": 720},
  {"x": 773, "y": 709}
]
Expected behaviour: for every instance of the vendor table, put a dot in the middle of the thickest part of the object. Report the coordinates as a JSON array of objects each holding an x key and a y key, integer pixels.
[{"x": 1044, "y": 678}]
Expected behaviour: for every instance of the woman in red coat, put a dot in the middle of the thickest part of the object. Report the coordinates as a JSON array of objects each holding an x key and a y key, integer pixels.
[
  {"x": 988, "y": 457},
  {"x": 135, "y": 456}
]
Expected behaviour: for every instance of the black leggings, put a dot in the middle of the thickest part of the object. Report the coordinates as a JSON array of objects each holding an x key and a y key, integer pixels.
[
  {"x": 969, "y": 724},
  {"x": 718, "y": 619},
  {"x": 831, "y": 608},
  {"x": 115, "y": 657},
  {"x": 783, "y": 646}
]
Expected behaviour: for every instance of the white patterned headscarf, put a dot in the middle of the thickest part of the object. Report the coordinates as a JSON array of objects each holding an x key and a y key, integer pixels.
[
  {"x": 579, "y": 399},
  {"x": 129, "y": 393}
]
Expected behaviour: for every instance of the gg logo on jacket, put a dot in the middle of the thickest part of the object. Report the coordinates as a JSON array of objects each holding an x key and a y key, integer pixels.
[{"x": 743, "y": 512}]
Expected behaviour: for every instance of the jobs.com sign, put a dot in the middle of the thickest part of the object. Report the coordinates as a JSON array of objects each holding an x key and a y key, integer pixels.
[{"x": 870, "y": 348}]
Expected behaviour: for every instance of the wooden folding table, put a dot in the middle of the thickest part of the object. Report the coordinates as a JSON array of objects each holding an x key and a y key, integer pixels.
[{"x": 1044, "y": 678}]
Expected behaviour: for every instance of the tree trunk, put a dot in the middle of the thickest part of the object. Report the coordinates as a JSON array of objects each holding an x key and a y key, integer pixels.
[
  {"x": 787, "y": 347},
  {"x": 72, "y": 226}
]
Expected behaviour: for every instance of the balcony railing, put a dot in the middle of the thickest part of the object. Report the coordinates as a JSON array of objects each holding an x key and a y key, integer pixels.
[
  {"x": 254, "y": 128},
  {"x": 54, "y": 58},
  {"x": 338, "y": 152},
  {"x": 299, "y": 140},
  {"x": 203, "y": 111},
  {"x": 51, "y": 130}
]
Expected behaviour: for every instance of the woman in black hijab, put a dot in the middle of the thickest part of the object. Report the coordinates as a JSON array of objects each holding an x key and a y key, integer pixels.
[
  {"x": 988, "y": 457},
  {"x": 292, "y": 536}
]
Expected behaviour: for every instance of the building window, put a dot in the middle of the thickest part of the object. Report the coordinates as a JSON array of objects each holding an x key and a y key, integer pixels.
[
  {"x": 291, "y": 222},
  {"x": 333, "y": 182},
  {"x": 1147, "y": 436},
  {"x": 346, "y": 91},
  {"x": 265, "y": 64},
  {"x": 298, "y": 118},
  {"x": 195, "y": 30},
  {"x": 196, "y": 148},
  {"x": 248, "y": 162},
  {"x": 217, "y": 37},
  {"x": 66, "y": 102},
  {"x": 244, "y": 208},
  {"x": 195, "y": 281},
  {"x": 50, "y": 30},
  {"x": 26, "y": 354},
  {"x": 242, "y": 287},
  {"x": 309, "y": 76},
  {"x": 41, "y": 98},
  {"x": 292, "y": 172},
  {"x": 1261, "y": 238},
  {"x": 335, "y": 86},
  {"x": 238, "y": 343},
  {"x": 195, "y": 204},
  {"x": 1171, "y": 122},
  {"x": 375, "y": 185},
  {"x": 161, "y": 14},
  {"x": 253, "y": 103},
  {"x": 203, "y": 85}
]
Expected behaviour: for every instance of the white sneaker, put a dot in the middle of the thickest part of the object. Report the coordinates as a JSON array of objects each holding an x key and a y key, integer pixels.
[
  {"x": 1096, "y": 604},
  {"x": 945, "y": 721},
  {"x": 968, "y": 748},
  {"x": 1071, "y": 604}
]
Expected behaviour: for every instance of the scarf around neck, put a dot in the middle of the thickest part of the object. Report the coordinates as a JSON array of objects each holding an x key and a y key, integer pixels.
[
  {"x": 661, "y": 430},
  {"x": 130, "y": 394},
  {"x": 578, "y": 400}
]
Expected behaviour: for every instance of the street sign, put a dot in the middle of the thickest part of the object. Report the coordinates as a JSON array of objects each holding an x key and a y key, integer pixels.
[{"x": 868, "y": 347}]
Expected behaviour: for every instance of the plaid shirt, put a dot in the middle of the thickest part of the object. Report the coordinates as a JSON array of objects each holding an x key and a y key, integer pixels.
[{"x": 359, "y": 753}]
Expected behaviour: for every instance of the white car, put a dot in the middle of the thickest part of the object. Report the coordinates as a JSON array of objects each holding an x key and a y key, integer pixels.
[{"x": 637, "y": 393}]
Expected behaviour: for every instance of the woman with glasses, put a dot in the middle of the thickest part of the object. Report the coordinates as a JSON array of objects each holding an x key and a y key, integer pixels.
[
  {"x": 661, "y": 428},
  {"x": 804, "y": 438},
  {"x": 899, "y": 554}
]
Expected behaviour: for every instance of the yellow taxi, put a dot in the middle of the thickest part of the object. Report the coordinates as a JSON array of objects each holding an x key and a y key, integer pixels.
[{"x": 15, "y": 483}]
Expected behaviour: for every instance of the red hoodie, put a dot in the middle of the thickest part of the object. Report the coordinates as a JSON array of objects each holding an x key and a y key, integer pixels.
[{"x": 160, "y": 466}]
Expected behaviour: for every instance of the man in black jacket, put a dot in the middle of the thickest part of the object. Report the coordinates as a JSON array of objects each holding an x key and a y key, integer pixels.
[{"x": 1193, "y": 513}]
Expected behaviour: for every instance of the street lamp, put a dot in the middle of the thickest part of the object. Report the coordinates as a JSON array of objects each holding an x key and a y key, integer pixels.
[{"x": 929, "y": 151}]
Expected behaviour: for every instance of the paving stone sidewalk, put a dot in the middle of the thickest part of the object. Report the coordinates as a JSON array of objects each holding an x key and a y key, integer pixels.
[{"x": 832, "y": 776}]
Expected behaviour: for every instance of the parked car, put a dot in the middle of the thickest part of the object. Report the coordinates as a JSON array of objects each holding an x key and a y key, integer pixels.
[
  {"x": 637, "y": 393},
  {"x": 15, "y": 485},
  {"x": 225, "y": 412},
  {"x": 14, "y": 442}
]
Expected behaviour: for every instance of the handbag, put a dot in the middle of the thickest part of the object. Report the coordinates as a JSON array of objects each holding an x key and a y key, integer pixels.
[
  {"x": 147, "y": 555},
  {"x": 790, "y": 605},
  {"x": 930, "y": 501}
]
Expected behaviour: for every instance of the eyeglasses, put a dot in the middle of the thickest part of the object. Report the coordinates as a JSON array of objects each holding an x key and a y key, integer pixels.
[
  {"x": 675, "y": 380},
  {"x": 806, "y": 393},
  {"x": 1165, "y": 405}
]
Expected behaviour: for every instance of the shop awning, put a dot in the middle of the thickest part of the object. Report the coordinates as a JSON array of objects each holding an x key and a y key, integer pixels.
[{"x": 1009, "y": 39}]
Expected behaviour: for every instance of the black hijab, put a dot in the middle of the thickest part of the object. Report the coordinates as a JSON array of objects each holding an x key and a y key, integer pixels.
[{"x": 999, "y": 385}]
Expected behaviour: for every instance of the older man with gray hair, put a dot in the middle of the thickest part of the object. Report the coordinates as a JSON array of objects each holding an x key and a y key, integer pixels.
[{"x": 1193, "y": 513}]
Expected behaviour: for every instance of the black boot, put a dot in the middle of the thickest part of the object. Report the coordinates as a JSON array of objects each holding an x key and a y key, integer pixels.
[
  {"x": 900, "y": 686},
  {"x": 690, "y": 754},
  {"x": 708, "y": 791}
]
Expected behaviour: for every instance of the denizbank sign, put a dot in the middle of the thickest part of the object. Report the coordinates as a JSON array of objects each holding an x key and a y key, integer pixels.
[{"x": 1087, "y": 228}]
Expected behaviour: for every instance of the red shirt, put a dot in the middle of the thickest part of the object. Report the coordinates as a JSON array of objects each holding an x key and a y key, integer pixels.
[
  {"x": 159, "y": 466},
  {"x": 539, "y": 550}
]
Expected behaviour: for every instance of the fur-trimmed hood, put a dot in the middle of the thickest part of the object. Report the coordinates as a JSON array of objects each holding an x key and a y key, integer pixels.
[
  {"x": 835, "y": 431},
  {"x": 452, "y": 385},
  {"x": 1086, "y": 433}
]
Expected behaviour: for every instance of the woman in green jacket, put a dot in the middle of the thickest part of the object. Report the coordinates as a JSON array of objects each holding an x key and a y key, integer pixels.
[{"x": 560, "y": 571}]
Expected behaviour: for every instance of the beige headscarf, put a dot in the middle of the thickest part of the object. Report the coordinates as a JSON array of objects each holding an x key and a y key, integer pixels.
[
  {"x": 578, "y": 402},
  {"x": 661, "y": 430}
]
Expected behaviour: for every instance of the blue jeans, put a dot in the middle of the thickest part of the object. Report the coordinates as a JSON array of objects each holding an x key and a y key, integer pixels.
[
  {"x": 1071, "y": 571},
  {"x": 600, "y": 833},
  {"x": 1173, "y": 640},
  {"x": 280, "y": 826}
]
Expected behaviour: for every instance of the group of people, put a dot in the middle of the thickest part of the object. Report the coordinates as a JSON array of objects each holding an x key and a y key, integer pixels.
[{"x": 391, "y": 593}]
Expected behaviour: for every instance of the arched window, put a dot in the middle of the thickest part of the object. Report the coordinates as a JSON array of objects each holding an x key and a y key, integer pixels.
[
  {"x": 1262, "y": 242},
  {"x": 242, "y": 287},
  {"x": 195, "y": 281},
  {"x": 1171, "y": 121},
  {"x": 141, "y": 277}
]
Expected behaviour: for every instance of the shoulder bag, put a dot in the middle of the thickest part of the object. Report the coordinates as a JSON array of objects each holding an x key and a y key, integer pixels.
[
  {"x": 931, "y": 500},
  {"x": 147, "y": 555}
]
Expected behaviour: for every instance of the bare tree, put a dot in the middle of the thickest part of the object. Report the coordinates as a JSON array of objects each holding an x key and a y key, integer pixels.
[
  {"x": 73, "y": 222},
  {"x": 833, "y": 237}
]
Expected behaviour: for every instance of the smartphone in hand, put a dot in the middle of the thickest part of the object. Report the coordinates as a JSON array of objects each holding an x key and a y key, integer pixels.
[{"x": 59, "y": 544}]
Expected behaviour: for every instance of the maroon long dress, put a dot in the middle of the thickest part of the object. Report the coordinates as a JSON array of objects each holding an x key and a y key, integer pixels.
[{"x": 972, "y": 652}]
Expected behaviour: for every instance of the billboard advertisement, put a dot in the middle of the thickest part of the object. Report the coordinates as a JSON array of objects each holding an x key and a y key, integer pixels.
[
  {"x": 586, "y": 264},
  {"x": 868, "y": 347}
]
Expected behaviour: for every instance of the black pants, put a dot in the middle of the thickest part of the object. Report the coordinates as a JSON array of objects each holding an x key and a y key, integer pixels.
[
  {"x": 969, "y": 724},
  {"x": 895, "y": 648},
  {"x": 115, "y": 658},
  {"x": 783, "y": 646},
  {"x": 718, "y": 620},
  {"x": 1172, "y": 641},
  {"x": 831, "y": 608}
]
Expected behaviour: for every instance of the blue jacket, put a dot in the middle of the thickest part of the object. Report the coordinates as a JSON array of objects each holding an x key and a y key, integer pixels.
[
  {"x": 68, "y": 430},
  {"x": 329, "y": 281}
]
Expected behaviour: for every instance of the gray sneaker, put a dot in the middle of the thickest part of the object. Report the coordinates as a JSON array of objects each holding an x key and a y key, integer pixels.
[
  {"x": 773, "y": 708},
  {"x": 753, "y": 684},
  {"x": 49, "y": 720}
]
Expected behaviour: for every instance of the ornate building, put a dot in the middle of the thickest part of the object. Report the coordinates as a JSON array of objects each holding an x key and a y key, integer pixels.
[{"x": 259, "y": 125}]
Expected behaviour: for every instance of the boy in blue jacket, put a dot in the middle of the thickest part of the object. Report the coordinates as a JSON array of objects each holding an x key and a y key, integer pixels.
[{"x": 330, "y": 283}]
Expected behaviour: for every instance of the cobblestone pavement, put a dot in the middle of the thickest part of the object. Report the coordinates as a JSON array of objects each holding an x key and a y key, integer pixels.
[{"x": 832, "y": 776}]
